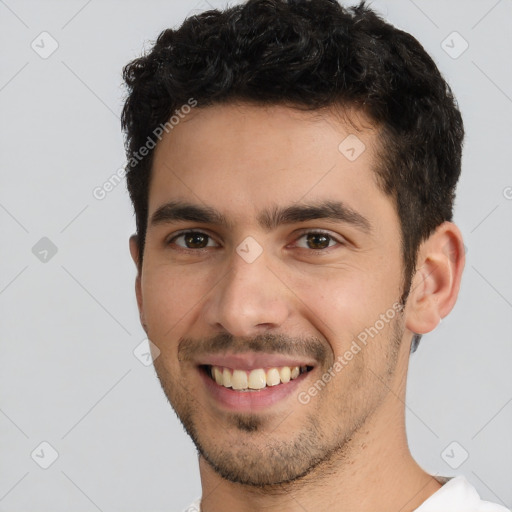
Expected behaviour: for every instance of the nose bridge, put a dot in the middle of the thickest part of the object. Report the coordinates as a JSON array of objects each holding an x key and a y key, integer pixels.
[{"x": 250, "y": 294}]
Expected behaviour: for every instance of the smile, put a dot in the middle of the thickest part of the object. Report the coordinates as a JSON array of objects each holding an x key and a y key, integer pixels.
[{"x": 255, "y": 379}]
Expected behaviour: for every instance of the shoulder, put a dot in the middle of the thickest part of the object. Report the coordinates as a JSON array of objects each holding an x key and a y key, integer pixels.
[
  {"x": 195, "y": 506},
  {"x": 457, "y": 494}
]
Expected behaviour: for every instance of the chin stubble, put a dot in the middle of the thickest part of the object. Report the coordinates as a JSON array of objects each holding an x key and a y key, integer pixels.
[{"x": 257, "y": 459}]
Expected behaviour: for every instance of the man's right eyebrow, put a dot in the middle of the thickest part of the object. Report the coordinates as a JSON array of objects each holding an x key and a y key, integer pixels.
[{"x": 176, "y": 211}]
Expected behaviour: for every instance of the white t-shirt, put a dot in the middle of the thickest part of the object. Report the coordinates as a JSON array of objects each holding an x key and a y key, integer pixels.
[{"x": 456, "y": 495}]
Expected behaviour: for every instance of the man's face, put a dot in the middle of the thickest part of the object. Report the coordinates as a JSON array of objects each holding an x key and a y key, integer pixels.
[{"x": 256, "y": 296}]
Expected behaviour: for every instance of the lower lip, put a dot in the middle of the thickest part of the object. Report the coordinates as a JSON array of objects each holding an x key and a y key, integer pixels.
[{"x": 251, "y": 400}]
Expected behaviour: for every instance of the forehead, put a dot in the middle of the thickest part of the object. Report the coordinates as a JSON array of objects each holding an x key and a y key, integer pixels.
[
  {"x": 248, "y": 158},
  {"x": 281, "y": 132}
]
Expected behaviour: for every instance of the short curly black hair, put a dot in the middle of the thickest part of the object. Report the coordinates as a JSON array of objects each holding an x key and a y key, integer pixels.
[{"x": 308, "y": 54}]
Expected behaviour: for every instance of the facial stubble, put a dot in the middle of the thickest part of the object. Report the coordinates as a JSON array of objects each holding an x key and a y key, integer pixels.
[{"x": 263, "y": 457}]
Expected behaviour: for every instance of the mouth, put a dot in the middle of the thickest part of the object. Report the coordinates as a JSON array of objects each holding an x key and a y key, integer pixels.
[{"x": 253, "y": 380}]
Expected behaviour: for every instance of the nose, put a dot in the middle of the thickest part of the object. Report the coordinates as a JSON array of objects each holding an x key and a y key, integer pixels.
[{"x": 249, "y": 300}]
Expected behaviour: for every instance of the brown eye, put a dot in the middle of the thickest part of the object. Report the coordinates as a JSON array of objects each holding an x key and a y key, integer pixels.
[
  {"x": 318, "y": 241},
  {"x": 192, "y": 240},
  {"x": 196, "y": 240}
]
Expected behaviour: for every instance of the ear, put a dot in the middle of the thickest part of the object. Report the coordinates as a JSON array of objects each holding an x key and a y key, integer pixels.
[
  {"x": 436, "y": 283},
  {"x": 134, "y": 251}
]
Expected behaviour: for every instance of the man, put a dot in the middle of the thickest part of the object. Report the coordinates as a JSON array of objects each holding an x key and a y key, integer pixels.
[{"x": 292, "y": 167}]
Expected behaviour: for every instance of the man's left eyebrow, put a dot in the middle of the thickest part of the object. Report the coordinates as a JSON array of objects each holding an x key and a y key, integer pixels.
[
  {"x": 270, "y": 219},
  {"x": 334, "y": 211}
]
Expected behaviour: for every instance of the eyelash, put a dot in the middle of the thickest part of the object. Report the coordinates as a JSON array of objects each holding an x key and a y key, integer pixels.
[{"x": 302, "y": 234}]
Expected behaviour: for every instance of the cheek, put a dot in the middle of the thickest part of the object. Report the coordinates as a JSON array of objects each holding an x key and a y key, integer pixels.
[
  {"x": 342, "y": 303},
  {"x": 171, "y": 297},
  {"x": 341, "y": 298}
]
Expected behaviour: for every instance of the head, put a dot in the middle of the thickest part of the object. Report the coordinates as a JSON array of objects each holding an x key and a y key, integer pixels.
[{"x": 251, "y": 113}]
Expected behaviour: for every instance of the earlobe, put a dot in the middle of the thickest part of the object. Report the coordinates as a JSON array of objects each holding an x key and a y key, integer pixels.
[
  {"x": 436, "y": 284},
  {"x": 134, "y": 251}
]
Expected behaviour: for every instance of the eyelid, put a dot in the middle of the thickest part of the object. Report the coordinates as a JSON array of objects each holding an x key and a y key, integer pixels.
[
  {"x": 340, "y": 240},
  {"x": 177, "y": 234},
  {"x": 334, "y": 236}
]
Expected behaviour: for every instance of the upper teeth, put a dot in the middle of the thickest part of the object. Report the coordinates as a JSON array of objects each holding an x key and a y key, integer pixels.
[{"x": 255, "y": 379}]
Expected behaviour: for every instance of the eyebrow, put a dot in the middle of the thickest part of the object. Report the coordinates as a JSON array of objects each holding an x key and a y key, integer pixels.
[{"x": 269, "y": 219}]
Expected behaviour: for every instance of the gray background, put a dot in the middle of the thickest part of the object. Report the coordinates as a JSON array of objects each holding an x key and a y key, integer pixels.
[{"x": 69, "y": 322}]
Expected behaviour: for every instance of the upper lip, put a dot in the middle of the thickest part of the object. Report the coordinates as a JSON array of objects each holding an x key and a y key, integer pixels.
[{"x": 251, "y": 360}]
